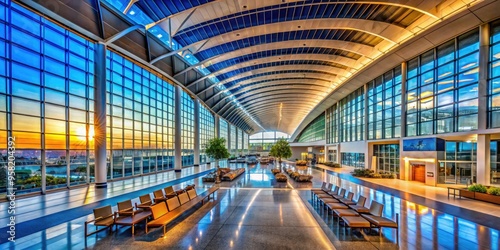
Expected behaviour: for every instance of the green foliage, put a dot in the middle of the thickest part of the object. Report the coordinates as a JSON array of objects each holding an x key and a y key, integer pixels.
[
  {"x": 281, "y": 149},
  {"x": 494, "y": 191},
  {"x": 367, "y": 173},
  {"x": 216, "y": 149},
  {"x": 301, "y": 163},
  {"x": 332, "y": 164},
  {"x": 477, "y": 188}
]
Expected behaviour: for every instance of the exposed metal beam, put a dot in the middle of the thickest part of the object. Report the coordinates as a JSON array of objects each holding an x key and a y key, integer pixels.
[
  {"x": 256, "y": 86},
  {"x": 270, "y": 88},
  {"x": 123, "y": 33},
  {"x": 129, "y": 6},
  {"x": 184, "y": 22}
]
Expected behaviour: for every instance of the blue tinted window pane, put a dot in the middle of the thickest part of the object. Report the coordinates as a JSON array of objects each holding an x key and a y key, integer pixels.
[
  {"x": 25, "y": 90},
  {"x": 25, "y": 40},
  {"x": 55, "y": 37},
  {"x": 54, "y": 52},
  {"x": 55, "y": 82},
  {"x": 25, "y": 56},
  {"x": 56, "y": 97},
  {"x": 25, "y": 73}
]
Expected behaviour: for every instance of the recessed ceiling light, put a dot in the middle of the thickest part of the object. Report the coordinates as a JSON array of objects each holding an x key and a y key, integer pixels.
[
  {"x": 132, "y": 12},
  {"x": 159, "y": 36},
  {"x": 238, "y": 34},
  {"x": 304, "y": 44},
  {"x": 299, "y": 26},
  {"x": 244, "y": 6}
]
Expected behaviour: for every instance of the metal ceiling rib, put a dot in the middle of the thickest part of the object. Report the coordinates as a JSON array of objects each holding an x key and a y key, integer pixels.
[{"x": 265, "y": 52}]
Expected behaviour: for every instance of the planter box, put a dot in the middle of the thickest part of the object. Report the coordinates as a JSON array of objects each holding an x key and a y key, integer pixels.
[
  {"x": 467, "y": 194},
  {"x": 488, "y": 198}
]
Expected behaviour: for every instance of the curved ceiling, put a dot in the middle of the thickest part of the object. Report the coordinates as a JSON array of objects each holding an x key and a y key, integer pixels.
[{"x": 275, "y": 60}]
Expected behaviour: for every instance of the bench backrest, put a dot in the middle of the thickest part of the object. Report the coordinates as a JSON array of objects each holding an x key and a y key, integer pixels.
[
  {"x": 342, "y": 192},
  {"x": 125, "y": 206},
  {"x": 323, "y": 185},
  {"x": 336, "y": 189},
  {"x": 350, "y": 195},
  {"x": 189, "y": 187},
  {"x": 103, "y": 212},
  {"x": 192, "y": 194},
  {"x": 361, "y": 201},
  {"x": 145, "y": 199},
  {"x": 159, "y": 210},
  {"x": 158, "y": 193},
  {"x": 328, "y": 187},
  {"x": 169, "y": 190},
  {"x": 376, "y": 208},
  {"x": 173, "y": 203},
  {"x": 183, "y": 198}
]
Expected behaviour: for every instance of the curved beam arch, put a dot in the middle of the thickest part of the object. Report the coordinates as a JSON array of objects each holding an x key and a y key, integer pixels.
[
  {"x": 258, "y": 97},
  {"x": 231, "y": 8},
  {"x": 280, "y": 99},
  {"x": 386, "y": 31},
  {"x": 319, "y": 68},
  {"x": 270, "y": 88},
  {"x": 273, "y": 77},
  {"x": 352, "y": 47},
  {"x": 272, "y": 124},
  {"x": 272, "y": 82},
  {"x": 275, "y": 84},
  {"x": 325, "y": 58},
  {"x": 300, "y": 108},
  {"x": 246, "y": 103}
]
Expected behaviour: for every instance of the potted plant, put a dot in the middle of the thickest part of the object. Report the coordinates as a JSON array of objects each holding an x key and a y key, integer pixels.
[
  {"x": 281, "y": 149},
  {"x": 216, "y": 149}
]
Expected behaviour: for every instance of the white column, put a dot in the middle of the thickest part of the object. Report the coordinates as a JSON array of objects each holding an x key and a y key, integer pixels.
[
  {"x": 100, "y": 116},
  {"x": 483, "y": 166},
  {"x": 178, "y": 130},
  {"x": 196, "y": 133}
]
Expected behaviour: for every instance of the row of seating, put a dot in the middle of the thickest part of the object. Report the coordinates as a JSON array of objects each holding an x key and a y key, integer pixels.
[
  {"x": 353, "y": 214},
  {"x": 128, "y": 215}
]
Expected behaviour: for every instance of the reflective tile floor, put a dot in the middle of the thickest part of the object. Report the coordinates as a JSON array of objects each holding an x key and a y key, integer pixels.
[{"x": 256, "y": 212}]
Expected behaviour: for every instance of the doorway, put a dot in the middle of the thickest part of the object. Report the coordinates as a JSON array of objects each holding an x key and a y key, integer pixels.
[{"x": 418, "y": 172}]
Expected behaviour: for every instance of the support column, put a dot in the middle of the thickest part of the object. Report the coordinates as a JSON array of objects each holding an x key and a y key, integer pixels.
[
  {"x": 402, "y": 164},
  {"x": 196, "y": 133},
  {"x": 216, "y": 126},
  {"x": 365, "y": 123},
  {"x": 178, "y": 130},
  {"x": 483, "y": 166},
  {"x": 484, "y": 52},
  {"x": 100, "y": 116},
  {"x": 229, "y": 146}
]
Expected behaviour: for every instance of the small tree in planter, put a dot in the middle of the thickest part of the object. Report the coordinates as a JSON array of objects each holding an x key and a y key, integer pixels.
[
  {"x": 216, "y": 149},
  {"x": 281, "y": 149}
]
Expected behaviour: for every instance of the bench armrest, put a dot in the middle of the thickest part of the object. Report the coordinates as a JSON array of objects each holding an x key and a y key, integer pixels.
[{"x": 99, "y": 218}]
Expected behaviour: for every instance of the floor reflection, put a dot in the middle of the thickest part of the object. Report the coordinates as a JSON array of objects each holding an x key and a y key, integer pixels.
[{"x": 254, "y": 211}]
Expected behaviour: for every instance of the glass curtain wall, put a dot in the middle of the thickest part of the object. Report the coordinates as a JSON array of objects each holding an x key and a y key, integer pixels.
[
  {"x": 494, "y": 76},
  {"x": 233, "y": 146},
  {"x": 245, "y": 142},
  {"x": 332, "y": 133},
  {"x": 223, "y": 131},
  {"x": 352, "y": 116},
  {"x": 356, "y": 160},
  {"x": 442, "y": 88},
  {"x": 263, "y": 141},
  {"x": 314, "y": 131},
  {"x": 139, "y": 121},
  {"x": 384, "y": 105},
  {"x": 387, "y": 157},
  {"x": 187, "y": 129},
  {"x": 207, "y": 131},
  {"x": 459, "y": 165},
  {"x": 46, "y": 101},
  {"x": 495, "y": 163}
]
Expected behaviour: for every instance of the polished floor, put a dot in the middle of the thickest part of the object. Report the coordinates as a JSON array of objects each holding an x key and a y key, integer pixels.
[{"x": 256, "y": 212}]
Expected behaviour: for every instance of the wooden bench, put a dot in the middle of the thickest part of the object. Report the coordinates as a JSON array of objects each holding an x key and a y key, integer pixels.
[
  {"x": 162, "y": 215},
  {"x": 127, "y": 216},
  {"x": 103, "y": 217}
]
